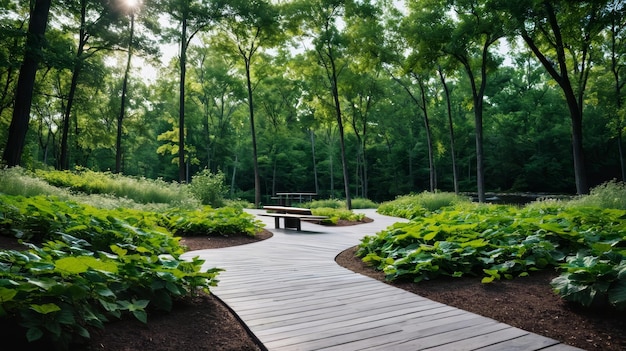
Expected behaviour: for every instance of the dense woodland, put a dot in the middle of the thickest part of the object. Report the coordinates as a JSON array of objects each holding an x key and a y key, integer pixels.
[{"x": 344, "y": 98}]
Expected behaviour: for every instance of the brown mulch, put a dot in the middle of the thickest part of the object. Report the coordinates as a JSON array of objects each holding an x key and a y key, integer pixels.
[{"x": 205, "y": 323}]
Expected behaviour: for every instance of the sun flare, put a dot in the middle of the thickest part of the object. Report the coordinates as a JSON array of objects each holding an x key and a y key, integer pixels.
[{"x": 131, "y": 4}]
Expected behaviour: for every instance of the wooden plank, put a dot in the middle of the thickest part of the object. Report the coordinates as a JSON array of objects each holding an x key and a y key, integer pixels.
[
  {"x": 288, "y": 209},
  {"x": 419, "y": 342},
  {"x": 526, "y": 342},
  {"x": 561, "y": 347},
  {"x": 414, "y": 314},
  {"x": 365, "y": 323},
  {"x": 483, "y": 340},
  {"x": 330, "y": 338}
]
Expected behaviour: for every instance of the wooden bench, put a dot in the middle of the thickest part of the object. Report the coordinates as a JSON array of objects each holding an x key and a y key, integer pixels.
[{"x": 292, "y": 216}]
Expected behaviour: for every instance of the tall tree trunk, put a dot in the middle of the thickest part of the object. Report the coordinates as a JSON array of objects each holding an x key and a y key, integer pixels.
[
  {"x": 451, "y": 131},
  {"x": 619, "y": 84},
  {"x": 64, "y": 162},
  {"x": 317, "y": 188},
  {"x": 429, "y": 139},
  {"x": 182, "y": 174},
  {"x": 232, "y": 180},
  {"x": 26, "y": 82},
  {"x": 342, "y": 144},
  {"x": 574, "y": 104},
  {"x": 120, "y": 119},
  {"x": 478, "y": 94},
  {"x": 255, "y": 159}
]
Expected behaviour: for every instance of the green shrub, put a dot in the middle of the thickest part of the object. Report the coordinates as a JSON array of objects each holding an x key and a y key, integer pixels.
[
  {"x": 17, "y": 181},
  {"x": 361, "y": 203},
  {"x": 209, "y": 188},
  {"x": 415, "y": 205},
  {"x": 335, "y": 215},
  {"x": 207, "y": 221},
  {"x": 611, "y": 194},
  {"x": 357, "y": 203},
  {"x": 328, "y": 203},
  {"x": 238, "y": 203},
  {"x": 140, "y": 190}
]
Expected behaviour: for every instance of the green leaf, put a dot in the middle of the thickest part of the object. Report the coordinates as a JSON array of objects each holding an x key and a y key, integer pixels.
[
  {"x": 45, "y": 308},
  {"x": 77, "y": 265},
  {"x": 7, "y": 294},
  {"x": 34, "y": 334},
  {"x": 487, "y": 280},
  {"x": 617, "y": 294},
  {"x": 141, "y": 316}
]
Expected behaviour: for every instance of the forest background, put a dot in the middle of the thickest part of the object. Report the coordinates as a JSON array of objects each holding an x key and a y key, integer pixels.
[{"x": 347, "y": 98}]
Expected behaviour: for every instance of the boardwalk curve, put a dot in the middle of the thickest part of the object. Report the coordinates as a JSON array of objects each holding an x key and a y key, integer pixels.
[{"x": 292, "y": 295}]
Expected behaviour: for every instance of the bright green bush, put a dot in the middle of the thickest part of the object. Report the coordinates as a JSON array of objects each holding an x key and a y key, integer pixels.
[
  {"x": 611, "y": 194},
  {"x": 335, "y": 215},
  {"x": 141, "y": 190},
  {"x": 357, "y": 203},
  {"x": 327, "y": 203},
  {"x": 17, "y": 181},
  {"x": 415, "y": 205},
  {"x": 209, "y": 188},
  {"x": 208, "y": 221},
  {"x": 361, "y": 203},
  {"x": 238, "y": 203}
]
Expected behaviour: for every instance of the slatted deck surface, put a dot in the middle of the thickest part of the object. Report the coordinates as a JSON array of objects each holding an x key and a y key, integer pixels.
[{"x": 293, "y": 296}]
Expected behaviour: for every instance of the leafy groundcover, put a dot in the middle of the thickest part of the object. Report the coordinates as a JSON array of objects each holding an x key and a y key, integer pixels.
[
  {"x": 86, "y": 266},
  {"x": 587, "y": 244}
]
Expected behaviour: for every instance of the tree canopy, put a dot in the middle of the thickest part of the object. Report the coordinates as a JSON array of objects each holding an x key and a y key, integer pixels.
[{"x": 383, "y": 97}]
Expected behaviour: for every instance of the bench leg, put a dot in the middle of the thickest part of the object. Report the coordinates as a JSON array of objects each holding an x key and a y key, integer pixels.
[
  {"x": 276, "y": 222},
  {"x": 293, "y": 223}
]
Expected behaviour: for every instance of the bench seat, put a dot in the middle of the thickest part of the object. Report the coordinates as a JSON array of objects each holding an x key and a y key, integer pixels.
[{"x": 286, "y": 209}]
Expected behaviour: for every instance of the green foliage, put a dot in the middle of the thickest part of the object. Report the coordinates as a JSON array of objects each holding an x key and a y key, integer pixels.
[
  {"x": 611, "y": 194},
  {"x": 594, "y": 280},
  {"x": 357, "y": 203},
  {"x": 209, "y": 188},
  {"x": 414, "y": 205},
  {"x": 335, "y": 214},
  {"x": 361, "y": 203},
  {"x": 335, "y": 210},
  {"x": 141, "y": 190},
  {"x": 208, "y": 221},
  {"x": 238, "y": 203},
  {"x": 328, "y": 203},
  {"x": 92, "y": 265},
  {"x": 498, "y": 242},
  {"x": 17, "y": 181}
]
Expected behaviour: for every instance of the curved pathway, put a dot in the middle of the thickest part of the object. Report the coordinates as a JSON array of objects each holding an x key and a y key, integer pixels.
[{"x": 292, "y": 295}]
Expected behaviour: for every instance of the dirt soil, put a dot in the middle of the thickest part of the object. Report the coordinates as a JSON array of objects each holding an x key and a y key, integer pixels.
[{"x": 205, "y": 323}]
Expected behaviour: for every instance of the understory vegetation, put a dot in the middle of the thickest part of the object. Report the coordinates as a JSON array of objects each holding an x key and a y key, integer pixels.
[
  {"x": 88, "y": 261},
  {"x": 583, "y": 238},
  {"x": 336, "y": 210}
]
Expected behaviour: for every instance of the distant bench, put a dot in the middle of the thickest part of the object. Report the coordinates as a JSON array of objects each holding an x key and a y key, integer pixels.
[{"x": 292, "y": 216}]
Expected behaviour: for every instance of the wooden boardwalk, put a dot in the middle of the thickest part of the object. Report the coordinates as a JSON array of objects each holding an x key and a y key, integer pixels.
[{"x": 293, "y": 296}]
